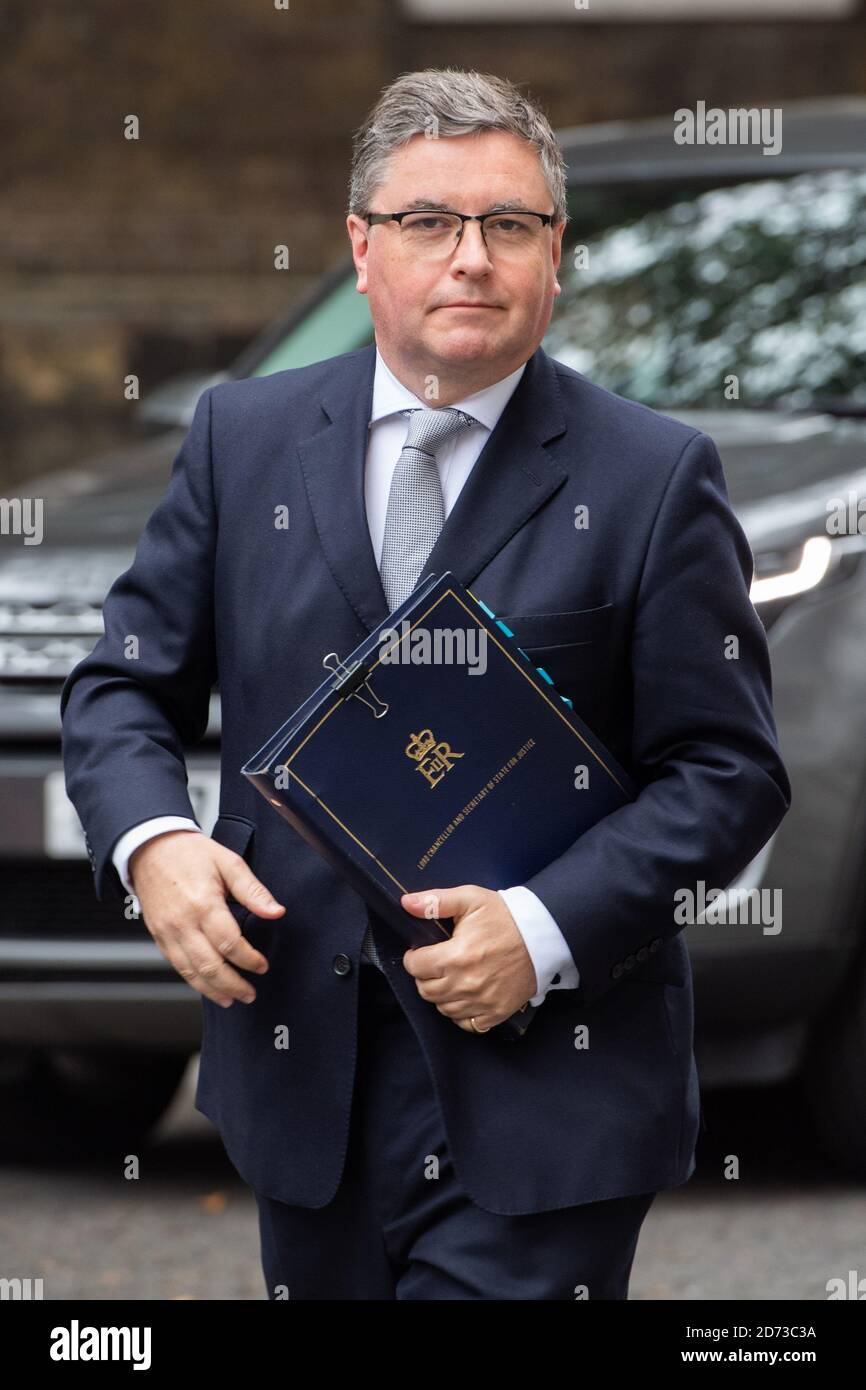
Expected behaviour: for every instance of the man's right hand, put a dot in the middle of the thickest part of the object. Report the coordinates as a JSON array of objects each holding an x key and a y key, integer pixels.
[{"x": 181, "y": 878}]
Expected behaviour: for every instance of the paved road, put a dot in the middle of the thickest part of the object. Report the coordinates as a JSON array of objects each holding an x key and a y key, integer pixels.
[{"x": 187, "y": 1228}]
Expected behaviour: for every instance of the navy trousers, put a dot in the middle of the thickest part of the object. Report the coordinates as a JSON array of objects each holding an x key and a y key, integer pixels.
[{"x": 401, "y": 1227}]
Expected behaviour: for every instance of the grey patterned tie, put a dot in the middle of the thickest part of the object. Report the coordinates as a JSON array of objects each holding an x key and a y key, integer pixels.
[
  {"x": 415, "y": 516},
  {"x": 416, "y": 510}
]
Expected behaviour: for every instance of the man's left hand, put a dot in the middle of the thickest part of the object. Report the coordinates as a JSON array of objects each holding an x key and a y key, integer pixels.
[{"x": 483, "y": 971}]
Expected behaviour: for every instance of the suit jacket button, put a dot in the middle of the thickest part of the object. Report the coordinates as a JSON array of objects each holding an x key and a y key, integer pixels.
[
  {"x": 342, "y": 965},
  {"x": 655, "y": 944},
  {"x": 617, "y": 970}
]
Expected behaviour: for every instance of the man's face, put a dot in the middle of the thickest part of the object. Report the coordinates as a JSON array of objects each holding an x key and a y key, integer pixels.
[{"x": 418, "y": 306}]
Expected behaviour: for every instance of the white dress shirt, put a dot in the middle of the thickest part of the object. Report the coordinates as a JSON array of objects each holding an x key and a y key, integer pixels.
[{"x": 547, "y": 947}]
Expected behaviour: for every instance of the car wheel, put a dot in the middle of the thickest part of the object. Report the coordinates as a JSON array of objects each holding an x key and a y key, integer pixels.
[
  {"x": 834, "y": 1079},
  {"x": 67, "y": 1104}
]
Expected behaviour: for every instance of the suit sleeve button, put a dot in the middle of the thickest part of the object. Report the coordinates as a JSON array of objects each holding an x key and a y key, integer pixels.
[{"x": 617, "y": 970}]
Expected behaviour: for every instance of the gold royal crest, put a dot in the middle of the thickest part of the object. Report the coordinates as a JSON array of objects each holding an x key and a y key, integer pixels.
[{"x": 433, "y": 759}]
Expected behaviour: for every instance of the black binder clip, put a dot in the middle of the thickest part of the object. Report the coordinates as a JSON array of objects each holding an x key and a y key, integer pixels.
[{"x": 350, "y": 678}]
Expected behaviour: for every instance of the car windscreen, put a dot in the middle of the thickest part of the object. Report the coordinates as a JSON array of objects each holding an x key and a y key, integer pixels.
[{"x": 686, "y": 297}]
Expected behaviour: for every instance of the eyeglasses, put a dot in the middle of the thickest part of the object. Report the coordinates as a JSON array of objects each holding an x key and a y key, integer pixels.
[{"x": 430, "y": 233}]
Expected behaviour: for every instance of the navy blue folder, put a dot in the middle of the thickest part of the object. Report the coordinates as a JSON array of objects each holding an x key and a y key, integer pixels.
[{"x": 437, "y": 754}]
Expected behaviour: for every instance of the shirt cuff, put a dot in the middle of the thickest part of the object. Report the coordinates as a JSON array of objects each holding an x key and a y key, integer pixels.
[
  {"x": 145, "y": 830},
  {"x": 547, "y": 947}
]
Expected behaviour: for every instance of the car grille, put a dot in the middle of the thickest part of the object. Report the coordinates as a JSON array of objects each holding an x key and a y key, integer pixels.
[{"x": 44, "y": 641}]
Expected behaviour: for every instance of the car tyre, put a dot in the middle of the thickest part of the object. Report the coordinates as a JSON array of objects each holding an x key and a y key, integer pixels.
[
  {"x": 834, "y": 1078},
  {"x": 68, "y": 1105}
]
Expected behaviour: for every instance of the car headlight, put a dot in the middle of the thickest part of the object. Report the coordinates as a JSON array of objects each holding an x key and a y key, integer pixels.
[
  {"x": 810, "y": 564},
  {"x": 785, "y": 573}
]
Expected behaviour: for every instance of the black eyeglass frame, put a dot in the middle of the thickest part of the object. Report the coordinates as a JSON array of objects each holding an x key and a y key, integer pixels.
[{"x": 371, "y": 218}]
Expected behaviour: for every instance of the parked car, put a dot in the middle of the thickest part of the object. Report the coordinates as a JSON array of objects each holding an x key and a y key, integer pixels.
[{"x": 713, "y": 283}]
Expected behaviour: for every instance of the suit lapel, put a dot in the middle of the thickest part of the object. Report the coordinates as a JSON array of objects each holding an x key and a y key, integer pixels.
[{"x": 511, "y": 478}]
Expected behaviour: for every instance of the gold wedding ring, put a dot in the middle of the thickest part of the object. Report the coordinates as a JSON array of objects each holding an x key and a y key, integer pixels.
[{"x": 477, "y": 1029}]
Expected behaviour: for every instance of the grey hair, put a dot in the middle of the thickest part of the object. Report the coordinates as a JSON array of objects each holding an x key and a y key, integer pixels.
[{"x": 440, "y": 102}]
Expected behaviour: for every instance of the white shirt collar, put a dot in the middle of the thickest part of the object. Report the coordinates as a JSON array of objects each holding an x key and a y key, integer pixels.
[{"x": 390, "y": 396}]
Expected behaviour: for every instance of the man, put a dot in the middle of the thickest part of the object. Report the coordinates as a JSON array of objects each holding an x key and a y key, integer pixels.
[{"x": 398, "y": 1146}]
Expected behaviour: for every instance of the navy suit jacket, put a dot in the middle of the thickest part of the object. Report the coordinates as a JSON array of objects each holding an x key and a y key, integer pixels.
[{"x": 629, "y": 614}]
